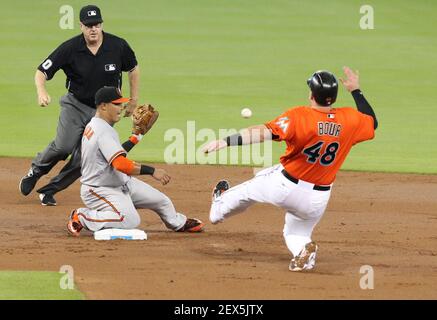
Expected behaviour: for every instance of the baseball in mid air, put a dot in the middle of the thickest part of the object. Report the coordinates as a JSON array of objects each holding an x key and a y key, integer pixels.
[{"x": 246, "y": 113}]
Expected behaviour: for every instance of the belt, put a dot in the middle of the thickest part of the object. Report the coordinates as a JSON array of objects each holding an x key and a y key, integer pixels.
[
  {"x": 89, "y": 103},
  {"x": 296, "y": 181}
]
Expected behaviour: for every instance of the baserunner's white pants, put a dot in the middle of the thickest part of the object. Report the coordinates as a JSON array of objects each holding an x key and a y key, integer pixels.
[{"x": 304, "y": 206}]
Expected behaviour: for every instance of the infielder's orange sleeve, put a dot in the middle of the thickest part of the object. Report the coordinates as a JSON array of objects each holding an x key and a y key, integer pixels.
[{"x": 123, "y": 164}]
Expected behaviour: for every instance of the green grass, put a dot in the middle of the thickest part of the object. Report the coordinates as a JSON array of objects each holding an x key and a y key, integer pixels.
[
  {"x": 34, "y": 285},
  {"x": 205, "y": 60}
]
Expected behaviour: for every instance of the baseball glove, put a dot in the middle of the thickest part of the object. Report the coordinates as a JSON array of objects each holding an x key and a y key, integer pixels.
[{"x": 143, "y": 118}]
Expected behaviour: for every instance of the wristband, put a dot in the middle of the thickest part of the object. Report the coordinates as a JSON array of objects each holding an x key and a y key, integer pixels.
[
  {"x": 135, "y": 138},
  {"x": 147, "y": 170},
  {"x": 234, "y": 140}
]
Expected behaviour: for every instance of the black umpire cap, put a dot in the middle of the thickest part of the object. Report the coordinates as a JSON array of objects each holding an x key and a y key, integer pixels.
[
  {"x": 324, "y": 87},
  {"x": 90, "y": 15},
  {"x": 109, "y": 94}
]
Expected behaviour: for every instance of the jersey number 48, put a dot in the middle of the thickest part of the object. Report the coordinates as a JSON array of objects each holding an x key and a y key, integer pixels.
[{"x": 313, "y": 153}]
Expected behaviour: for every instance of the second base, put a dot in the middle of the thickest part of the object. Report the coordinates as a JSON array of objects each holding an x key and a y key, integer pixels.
[{"x": 125, "y": 234}]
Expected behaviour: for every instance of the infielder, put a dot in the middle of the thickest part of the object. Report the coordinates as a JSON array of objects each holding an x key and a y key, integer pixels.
[
  {"x": 318, "y": 138},
  {"x": 109, "y": 191},
  {"x": 90, "y": 61}
]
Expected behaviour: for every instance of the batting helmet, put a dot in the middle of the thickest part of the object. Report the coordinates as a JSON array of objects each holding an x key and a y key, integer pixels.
[{"x": 324, "y": 87}]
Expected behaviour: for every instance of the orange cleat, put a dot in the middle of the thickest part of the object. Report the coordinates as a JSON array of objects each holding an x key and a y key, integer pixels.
[
  {"x": 192, "y": 225},
  {"x": 74, "y": 226}
]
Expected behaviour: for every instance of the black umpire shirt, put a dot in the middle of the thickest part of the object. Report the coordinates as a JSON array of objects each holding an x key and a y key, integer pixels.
[{"x": 86, "y": 73}]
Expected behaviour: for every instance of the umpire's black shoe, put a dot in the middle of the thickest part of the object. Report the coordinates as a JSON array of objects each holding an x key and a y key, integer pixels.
[
  {"x": 47, "y": 199},
  {"x": 28, "y": 182},
  {"x": 221, "y": 187}
]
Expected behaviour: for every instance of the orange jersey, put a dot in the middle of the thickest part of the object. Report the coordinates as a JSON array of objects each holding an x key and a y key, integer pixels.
[{"x": 318, "y": 142}]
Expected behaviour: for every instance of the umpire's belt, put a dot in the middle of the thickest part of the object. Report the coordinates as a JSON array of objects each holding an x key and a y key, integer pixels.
[{"x": 296, "y": 181}]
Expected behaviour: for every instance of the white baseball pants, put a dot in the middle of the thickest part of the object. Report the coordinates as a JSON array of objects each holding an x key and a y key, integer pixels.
[
  {"x": 304, "y": 206},
  {"x": 116, "y": 207}
]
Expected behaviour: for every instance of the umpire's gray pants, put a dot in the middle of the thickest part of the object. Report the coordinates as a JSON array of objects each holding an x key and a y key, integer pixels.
[
  {"x": 73, "y": 118},
  {"x": 115, "y": 207}
]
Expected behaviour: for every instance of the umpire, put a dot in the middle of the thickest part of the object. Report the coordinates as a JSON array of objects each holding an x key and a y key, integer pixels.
[{"x": 91, "y": 60}]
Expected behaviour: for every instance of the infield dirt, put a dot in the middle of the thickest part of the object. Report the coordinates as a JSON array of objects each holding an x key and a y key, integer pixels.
[{"x": 387, "y": 221}]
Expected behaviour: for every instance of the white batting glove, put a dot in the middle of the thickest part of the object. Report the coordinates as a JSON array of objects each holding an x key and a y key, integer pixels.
[{"x": 214, "y": 146}]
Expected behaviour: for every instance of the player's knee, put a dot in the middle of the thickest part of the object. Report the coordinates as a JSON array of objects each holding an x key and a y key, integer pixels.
[
  {"x": 136, "y": 221},
  {"x": 64, "y": 150},
  {"x": 132, "y": 221}
]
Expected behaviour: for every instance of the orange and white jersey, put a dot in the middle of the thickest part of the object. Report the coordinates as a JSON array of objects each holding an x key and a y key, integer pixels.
[
  {"x": 318, "y": 142},
  {"x": 100, "y": 146}
]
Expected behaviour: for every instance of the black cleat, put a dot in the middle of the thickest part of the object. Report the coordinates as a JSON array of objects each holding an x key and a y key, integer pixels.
[
  {"x": 28, "y": 182},
  {"x": 221, "y": 187},
  {"x": 47, "y": 199}
]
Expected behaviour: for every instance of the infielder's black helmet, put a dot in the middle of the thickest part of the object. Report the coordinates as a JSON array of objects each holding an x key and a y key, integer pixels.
[{"x": 324, "y": 87}]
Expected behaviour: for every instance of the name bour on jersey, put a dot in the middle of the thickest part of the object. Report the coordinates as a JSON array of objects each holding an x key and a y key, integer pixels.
[{"x": 328, "y": 128}]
